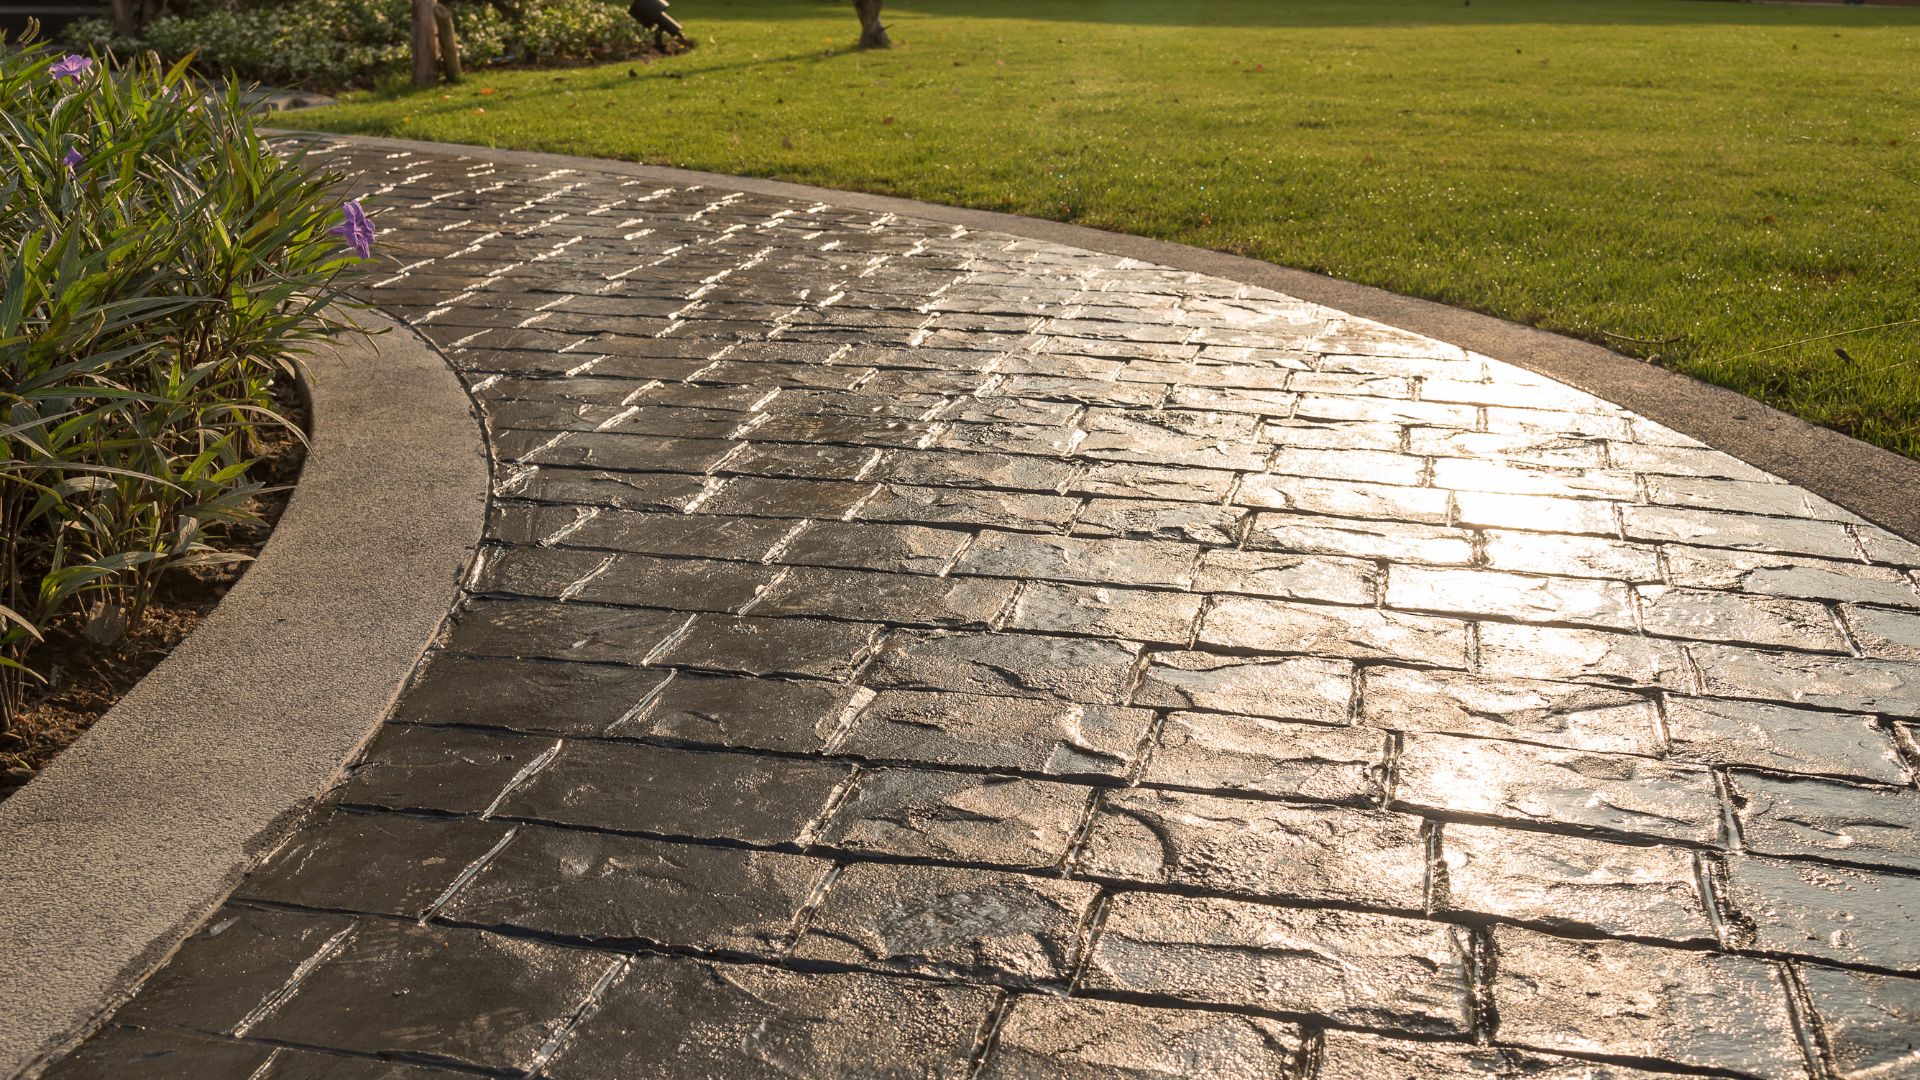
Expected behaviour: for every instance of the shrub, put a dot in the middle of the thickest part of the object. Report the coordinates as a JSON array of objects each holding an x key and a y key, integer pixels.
[
  {"x": 329, "y": 44},
  {"x": 161, "y": 267}
]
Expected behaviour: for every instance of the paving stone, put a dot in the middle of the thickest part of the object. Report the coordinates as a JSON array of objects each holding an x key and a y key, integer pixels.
[
  {"x": 1544, "y": 513},
  {"x": 762, "y": 714},
  {"x": 1344, "y": 498},
  {"x": 388, "y": 864},
  {"x": 615, "y": 450},
  {"x": 1016, "y": 472},
  {"x": 1352, "y": 968},
  {"x": 1092, "y": 672},
  {"x": 1511, "y": 478},
  {"x": 1127, "y": 480},
  {"x": 1067, "y": 558},
  {"x": 1715, "y": 529},
  {"x": 448, "y": 770},
  {"x": 1351, "y": 434},
  {"x": 291, "y": 1064},
  {"x": 541, "y": 696},
  {"x": 963, "y": 817},
  {"x": 1538, "y": 785},
  {"x": 668, "y": 492},
  {"x": 1790, "y": 576},
  {"x": 1570, "y": 715},
  {"x": 1053, "y": 737},
  {"x": 969, "y": 506},
  {"x": 1869, "y": 1021},
  {"x": 1572, "y": 883},
  {"x": 1287, "y": 688},
  {"x": 1373, "y": 466},
  {"x": 1221, "y": 752},
  {"x": 1869, "y": 826},
  {"x": 1808, "y": 909},
  {"x": 1883, "y": 632},
  {"x": 651, "y": 789},
  {"x": 1557, "y": 652},
  {"x": 1745, "y": 496},
  {"x": 1277, "y": 626},
  {"x": 857, "y": 546},
  {"x": 813, "y": 648},
  {"x": 1339, "y": 407},
  {"x": 898, "y": 599},
  {"x": 1711, "y": 615},
  {"x": 1080, "y": 1039},
  {"x": 641, "y": 580},
  {"x": 1559, "y": 451},
  {"x": 124, "y": 1053},
  {"x": 1573, "y": 556},
  {"x": 1395, "y": 540},
  {"x": 1827, "y": 682},
  {"x": 496, "y": 1001},
  {"x": 958, "y": 923},
  {"x": 1717, "y": 732},
  {"x": 618, "y": 889},
  {"x": 806, "y": 461},
  {"x": 1641, "y": 1001},
  {"x": 761, "y": 496},
  {"x": 1353, "y": 1055},
  {"x": 673, "y": 1015},
  {"x": 1294, "y": 577},
  {"x": 1520, "y": 597},
  {"x": 1144, "y": 519},
  {"x": 231, "y": 966},
  {"x": 1133, "y": 614},
  {"x": 561, "y": 631},
  {"x": 701, "y": 536},
  {"x": 1258, "y": 848}
]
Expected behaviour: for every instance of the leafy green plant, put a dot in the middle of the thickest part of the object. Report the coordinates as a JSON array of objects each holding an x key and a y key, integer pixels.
[
  {"x": 330, "y": 44},
  {"x": 161, "y": 268}
]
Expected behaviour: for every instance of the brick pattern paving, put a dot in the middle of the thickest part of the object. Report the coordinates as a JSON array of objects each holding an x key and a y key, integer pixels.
[{"x": 902, "y": 651}]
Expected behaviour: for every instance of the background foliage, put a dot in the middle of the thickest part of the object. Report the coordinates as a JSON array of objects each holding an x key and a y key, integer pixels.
[
  {"x": 160, "y": 268},
  {"x": 329, "y": 44}
]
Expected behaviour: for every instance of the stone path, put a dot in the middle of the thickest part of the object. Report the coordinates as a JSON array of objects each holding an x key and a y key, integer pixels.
[{"x": 909, "y": 652}]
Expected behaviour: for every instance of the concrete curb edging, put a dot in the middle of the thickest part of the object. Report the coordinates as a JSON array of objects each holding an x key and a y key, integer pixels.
[
  {"x": 124, "y": 844},
  {"x": 1874, "y": 483}
]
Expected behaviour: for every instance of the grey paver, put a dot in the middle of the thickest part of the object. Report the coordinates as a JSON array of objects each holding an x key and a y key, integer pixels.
[
  {"x": 1571, "y": 715},
  {"x": 1869, "y": 1020},
  {"x": 938, "y": 920},
  {"x": 618, "y": 889},
  {"x": 676, "y": 1015},
  {"x": 1643, "y": 1001},
  {"x": 1572, "y": 882},
  {"x": 1077, "y": 1039},
  {"x": 987, "y": 820},
  {"x": 1287, "y": 688},
  {"x": 1871, "y": 826},
  {"x": 1257, "y": 756},
  {"x": 390, "y": 864},
  {"x": 1257, "y": 848},
  {"x": 1361, "y": 969}
]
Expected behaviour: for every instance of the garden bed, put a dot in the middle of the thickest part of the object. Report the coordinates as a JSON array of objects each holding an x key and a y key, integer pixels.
[{"x": 85, "y": 679}]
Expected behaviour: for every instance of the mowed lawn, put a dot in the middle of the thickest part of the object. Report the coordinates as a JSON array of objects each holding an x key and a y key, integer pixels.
[{"x": 1702, "y": 183}]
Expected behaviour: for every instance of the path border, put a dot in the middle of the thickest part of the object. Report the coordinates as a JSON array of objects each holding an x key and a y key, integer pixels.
[
  {"x": 1877, "y": 484},
  {"x": 132, "y": 836}
]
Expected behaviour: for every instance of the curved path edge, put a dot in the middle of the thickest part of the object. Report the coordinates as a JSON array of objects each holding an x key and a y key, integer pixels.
[
  {"x": 1874, "y": 483},
  {"x": 131, "y": 837}
]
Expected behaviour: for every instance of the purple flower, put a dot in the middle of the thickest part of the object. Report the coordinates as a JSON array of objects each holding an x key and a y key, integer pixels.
[
  {"x": 71, "y": 66},
  {"x": 356, "y": 230},
  {"x": 73, "y": 160}
]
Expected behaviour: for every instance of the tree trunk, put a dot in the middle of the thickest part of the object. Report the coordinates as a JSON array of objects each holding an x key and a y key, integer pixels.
[
  {"x": 447, "y": 43},
  {"x": 872, "y": 34},
  {"x": 424, "y": 74},
  {"x": 123, "y": 23}
]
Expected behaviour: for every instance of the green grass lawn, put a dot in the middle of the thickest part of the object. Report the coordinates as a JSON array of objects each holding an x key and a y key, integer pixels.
[{"x": 1698, "y": 182}]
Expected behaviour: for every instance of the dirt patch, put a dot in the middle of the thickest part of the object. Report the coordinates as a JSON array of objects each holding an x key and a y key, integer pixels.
[{"x": 85, "y": 679}]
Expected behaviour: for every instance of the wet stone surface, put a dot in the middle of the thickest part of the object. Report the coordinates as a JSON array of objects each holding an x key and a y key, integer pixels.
[{"x": 897, "y": 650}]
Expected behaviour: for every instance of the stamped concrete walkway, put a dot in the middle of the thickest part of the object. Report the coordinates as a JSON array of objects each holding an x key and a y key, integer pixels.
[{"x": 909, "y": 652}]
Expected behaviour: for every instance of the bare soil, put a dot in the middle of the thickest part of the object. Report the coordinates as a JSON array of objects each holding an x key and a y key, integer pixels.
[{"x": 85, "y": 679}]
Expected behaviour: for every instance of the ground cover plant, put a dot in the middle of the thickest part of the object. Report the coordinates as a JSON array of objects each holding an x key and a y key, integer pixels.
[
  {"x": 161, "y": 266},
  {"x": 1703, "y": 183},
  {"x": 329, "y": 44}
]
